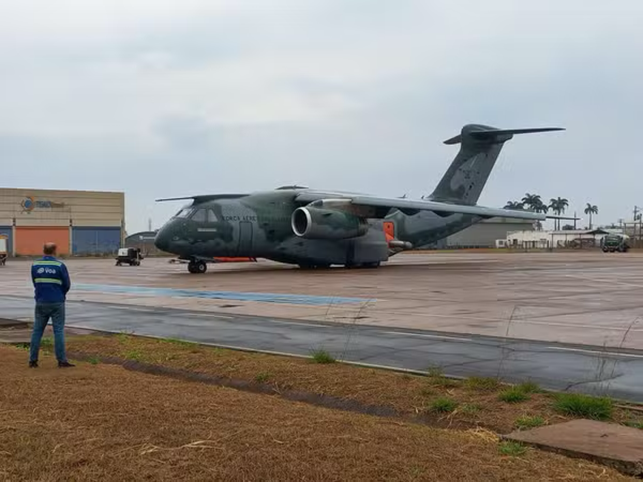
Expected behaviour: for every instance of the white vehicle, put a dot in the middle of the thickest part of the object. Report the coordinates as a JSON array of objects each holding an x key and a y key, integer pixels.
[
  {"x": 3, "y": 250},
  {"x": 131, "y": 256}
]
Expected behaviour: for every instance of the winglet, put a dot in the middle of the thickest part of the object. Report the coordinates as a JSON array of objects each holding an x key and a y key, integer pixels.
[{"x": 486, "y": 133}]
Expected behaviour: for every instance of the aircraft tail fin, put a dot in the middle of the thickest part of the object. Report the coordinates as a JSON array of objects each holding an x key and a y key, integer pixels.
[{"x": 480, "y": 146}]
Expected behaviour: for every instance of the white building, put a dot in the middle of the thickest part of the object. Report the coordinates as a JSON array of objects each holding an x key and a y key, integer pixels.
[{"x": 554, "y": 239}]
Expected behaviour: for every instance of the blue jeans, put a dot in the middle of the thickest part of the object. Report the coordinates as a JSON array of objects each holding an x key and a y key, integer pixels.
[{"x": 44, "y": 311}]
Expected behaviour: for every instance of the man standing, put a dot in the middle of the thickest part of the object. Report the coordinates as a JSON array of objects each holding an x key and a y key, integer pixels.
[{"x": 51, "y": 284}]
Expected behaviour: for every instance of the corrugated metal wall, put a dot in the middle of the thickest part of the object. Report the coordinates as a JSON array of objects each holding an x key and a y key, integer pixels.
[
  {"x": 41, "y": 215},
  {"x": 45, "y": 207},
  {"x": 484, "y": 234},
  {"x": 6, "y": 231},
  {"x": 30, "y": 240},
  {"x": 95, "y": 240},
  {"x": 145, "y": 242}
]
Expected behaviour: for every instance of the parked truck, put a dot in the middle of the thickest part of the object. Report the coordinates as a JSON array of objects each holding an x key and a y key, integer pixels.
[{"x": 615, "y": 242}]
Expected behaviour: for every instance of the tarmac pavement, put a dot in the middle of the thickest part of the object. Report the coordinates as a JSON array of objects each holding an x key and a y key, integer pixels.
[
  {"x": 582, "y": 296},
  {"x": 589, "y": 369}
]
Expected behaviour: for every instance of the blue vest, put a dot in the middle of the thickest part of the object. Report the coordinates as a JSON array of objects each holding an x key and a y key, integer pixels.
[{"x": 50, "y": 279}]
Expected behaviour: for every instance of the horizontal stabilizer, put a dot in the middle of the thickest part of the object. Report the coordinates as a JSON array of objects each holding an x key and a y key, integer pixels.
[
  {"x": 483, "y": 133},
  {"x": 565, "y": 218}
]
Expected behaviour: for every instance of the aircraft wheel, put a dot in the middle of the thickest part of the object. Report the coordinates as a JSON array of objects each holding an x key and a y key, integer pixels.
[
  {"x": 313, "y": 266},
  {"x": 201, "y": 267},
  {"x": 197, "y": 267}
]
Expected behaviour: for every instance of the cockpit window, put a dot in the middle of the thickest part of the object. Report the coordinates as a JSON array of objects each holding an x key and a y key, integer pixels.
[
  {"x": 199, "y": 216},
  {"x": 183, "y": 213},
  {"x": 212, "y": 218}
]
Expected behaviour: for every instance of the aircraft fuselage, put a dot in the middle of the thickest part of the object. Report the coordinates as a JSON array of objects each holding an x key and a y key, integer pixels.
[{"x": 260, "y": 226}]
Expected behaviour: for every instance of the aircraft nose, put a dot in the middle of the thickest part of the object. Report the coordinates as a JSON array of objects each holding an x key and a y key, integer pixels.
[{"x": 163, "y": 239}]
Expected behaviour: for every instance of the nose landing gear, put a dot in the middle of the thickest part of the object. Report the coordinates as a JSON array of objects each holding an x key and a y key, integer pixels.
[{"x": 197, "y": 266}]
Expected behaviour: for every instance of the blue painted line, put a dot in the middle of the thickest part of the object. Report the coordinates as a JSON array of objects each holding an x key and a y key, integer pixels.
[{"x": 284, "y": 298}]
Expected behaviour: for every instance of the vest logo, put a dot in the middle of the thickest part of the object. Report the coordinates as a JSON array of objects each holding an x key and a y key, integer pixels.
[
  {"x": 30, "y": 203},
  {"x": 46, "y": 270},
  {"x": 41, "y": 270}
]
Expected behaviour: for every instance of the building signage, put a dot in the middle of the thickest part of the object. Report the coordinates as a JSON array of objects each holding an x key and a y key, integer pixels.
[{"x": 30, "y": 203}]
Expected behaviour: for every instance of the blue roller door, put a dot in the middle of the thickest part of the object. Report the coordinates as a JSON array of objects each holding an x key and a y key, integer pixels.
[
  {"x": 6, "y": 231},
  {"x": 95, "y": 241}
]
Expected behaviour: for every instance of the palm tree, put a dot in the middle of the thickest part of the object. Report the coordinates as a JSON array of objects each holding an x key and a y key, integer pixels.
[
  {"x": 558, "y": 206},
  {"x": 533, "y": 201},
  {"x": 515, "y": 205},
  {"x": 591, "y": 209}
]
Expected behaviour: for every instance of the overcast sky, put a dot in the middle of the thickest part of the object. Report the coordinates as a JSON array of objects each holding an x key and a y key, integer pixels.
[{"x": 171, "y": 98}]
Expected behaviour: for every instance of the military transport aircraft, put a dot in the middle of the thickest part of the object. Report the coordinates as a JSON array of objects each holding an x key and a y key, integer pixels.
[{"x": 317, "y": 228}]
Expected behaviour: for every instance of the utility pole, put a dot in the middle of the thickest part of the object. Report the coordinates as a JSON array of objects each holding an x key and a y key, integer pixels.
[
  {"x": 637, "y": 217},
  {"x": 574, "y": 220},
  {"x": 149, "y": 224}
]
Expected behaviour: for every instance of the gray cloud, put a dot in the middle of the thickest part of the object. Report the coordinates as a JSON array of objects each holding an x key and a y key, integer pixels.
[{"x": 233, "y": 96}]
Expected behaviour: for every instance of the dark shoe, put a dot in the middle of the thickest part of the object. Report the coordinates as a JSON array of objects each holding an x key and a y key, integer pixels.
[
  {"x": 33, "y": 364},
  {"x": 64, "y": 364}
]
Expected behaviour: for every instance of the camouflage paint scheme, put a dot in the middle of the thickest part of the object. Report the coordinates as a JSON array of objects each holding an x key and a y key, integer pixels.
[{"x": 315, "y": 228}]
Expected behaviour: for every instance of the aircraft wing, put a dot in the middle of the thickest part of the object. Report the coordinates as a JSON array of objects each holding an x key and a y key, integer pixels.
[{"x": 372, "y": 206}]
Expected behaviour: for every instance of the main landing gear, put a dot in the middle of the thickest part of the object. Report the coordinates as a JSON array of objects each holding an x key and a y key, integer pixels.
[
  {"x": 197, "y": 266},
  {"x": 374, "y": 264}
]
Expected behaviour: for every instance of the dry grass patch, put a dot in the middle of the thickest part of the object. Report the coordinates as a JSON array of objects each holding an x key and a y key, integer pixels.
[
  {"x": 102, "y": 422},
  {"x": 405, "y": 393}
]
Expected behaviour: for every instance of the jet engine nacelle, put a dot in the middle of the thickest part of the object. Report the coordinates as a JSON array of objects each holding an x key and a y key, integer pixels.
[{"x": 315, "y": 223}]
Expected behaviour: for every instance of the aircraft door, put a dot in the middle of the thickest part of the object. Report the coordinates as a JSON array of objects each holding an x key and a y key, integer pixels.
[{"x": 245, "y": 238}]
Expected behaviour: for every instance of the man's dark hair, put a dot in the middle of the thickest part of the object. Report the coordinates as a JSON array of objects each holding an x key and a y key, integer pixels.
[{"x": 49, "y": 249}]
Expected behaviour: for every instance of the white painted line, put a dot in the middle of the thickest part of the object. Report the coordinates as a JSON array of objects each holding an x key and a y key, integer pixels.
[
  {"x": 423, "y": 335},
  {"x": 209, "y": 315},
  {"x": 573, "y": 325},
  {"x": 598, "y": 352},
  {"x": 301, "y": 323}
]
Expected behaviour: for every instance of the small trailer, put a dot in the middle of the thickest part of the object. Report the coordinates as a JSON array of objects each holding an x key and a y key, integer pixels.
[
  {"x": 131, "y": 256},
  {"x": 4, "y": 250}
]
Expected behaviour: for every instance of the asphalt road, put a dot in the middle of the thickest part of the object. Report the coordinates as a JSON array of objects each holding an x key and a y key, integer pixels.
[{"x": 594, "y": 370}]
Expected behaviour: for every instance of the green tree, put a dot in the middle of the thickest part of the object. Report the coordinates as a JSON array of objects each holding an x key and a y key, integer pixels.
[
  {"x": 533, "y": 202},
  {"x": 591, "y": 209},
  {"x": 558, "y": 206},
  {"x": 515, "y": 205}
]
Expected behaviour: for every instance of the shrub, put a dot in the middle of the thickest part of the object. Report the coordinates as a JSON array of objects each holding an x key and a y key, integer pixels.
[
  {"x": 580, "y": 405},
  {"x": 513, "y": 395},
  {"x": 529, "y": 387},
  {"x": 512, "y": 449},
  {"x": 443, "y": 405},
  {"x": 262, "y": 377},
  {"x": 530, "y": 422},
  {"x": 322, "y": 356}
]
